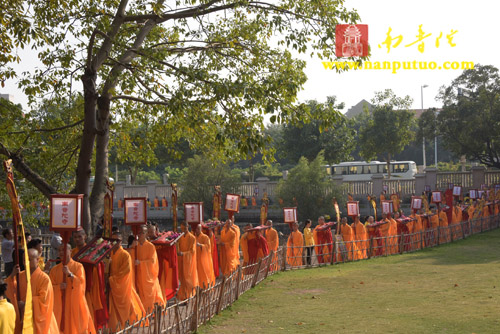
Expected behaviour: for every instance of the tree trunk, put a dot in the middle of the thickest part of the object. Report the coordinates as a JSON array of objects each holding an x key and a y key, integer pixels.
[
  {"x": 84, "y": 168},
  {"x": 101, "y": 164}
]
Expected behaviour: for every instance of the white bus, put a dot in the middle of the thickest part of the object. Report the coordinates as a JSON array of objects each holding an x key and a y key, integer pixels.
[{"x": 363, "y": 171}]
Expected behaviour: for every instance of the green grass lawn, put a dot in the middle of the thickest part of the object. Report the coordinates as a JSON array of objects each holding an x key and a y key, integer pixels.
[{"x": 453, "y": 288}]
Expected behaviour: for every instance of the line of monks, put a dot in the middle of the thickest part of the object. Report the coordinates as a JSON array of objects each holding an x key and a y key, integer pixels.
[
  {"x": 132, "y": 280},
  {"x": 387, "y": 235}
]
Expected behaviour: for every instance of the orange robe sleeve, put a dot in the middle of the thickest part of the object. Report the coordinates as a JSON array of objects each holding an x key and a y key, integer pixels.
[
  {"x": 206, "y": 276},
  {"x": 188, "y": 274},
  {"x": 147, "y": 276},
  {"x": 77, "y": 318},
  {"x": 124, "y": 302}
]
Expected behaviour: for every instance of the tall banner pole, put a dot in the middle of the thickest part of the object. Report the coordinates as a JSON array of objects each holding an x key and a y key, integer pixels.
[
  {"x": 18, "y": 228},
  {"x": 174, "y": 205}
]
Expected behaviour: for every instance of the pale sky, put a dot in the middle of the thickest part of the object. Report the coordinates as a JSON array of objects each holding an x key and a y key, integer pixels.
[{"x": 476, "y": 40}]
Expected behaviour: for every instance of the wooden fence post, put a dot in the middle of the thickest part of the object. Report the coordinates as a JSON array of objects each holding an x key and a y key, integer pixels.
[
  {"x": 332, "y": 255},
  {"x": 177, "y": 318},
  {"x": 284, "y": 249},
  {"x": 385, "y": 243},
  {"x": 401, "y": 243},
  {"x": 462, "y": 225},
  {"x": 196, "y": 313},
  {"x": 238, "y": 282},
  {"x": 256, "y": 277},
  {"x": 370, "y": 248},
  {"x": 221, "y": 295},
  {"x": 438, "y": 234},
  {"x": 451, "y": 231},
  {"x": 269, "y": 263}
]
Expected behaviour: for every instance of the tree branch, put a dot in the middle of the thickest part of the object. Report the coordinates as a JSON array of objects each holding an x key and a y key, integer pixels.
[
  {"x": 48, "y": 130},
  {"x": 27, "y": 172}
]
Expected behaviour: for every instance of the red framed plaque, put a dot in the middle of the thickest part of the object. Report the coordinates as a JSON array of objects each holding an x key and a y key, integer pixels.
[
  {"x": 135, "y": 211},
  {"x": 480, "y": 193},
  {"x": 416, "y": 203},
  {"x": 450, "y": 186},
  {"x": 290, "y": 215},
  {"x": 436, "y": 197},
  {"x": 457, "y": 191},
  {"x": 232, "y": 203},
  {"x": 473, "y": 193},
  {"x": 193, "y": 212},
  {"x": 353, "y": 208},
  {"x": 387, "y": 207},
  {"x": 66, "y": 212}
]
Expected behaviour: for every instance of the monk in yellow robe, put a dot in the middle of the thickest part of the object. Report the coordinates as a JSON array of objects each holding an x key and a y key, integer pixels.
[
  {"x": 361, "y": 237},
  {"x": 272, "y": 238},
  {"x": 69, "y": 280},
  {"x": 295, "y": 247},
  {"x": 486, "y": 216},
  {"x": 42, "y": 292},
  {"x": 205, "y": 268},
  {"x": 146, "y": 269},
  {"x": 348, "y": 237},
  {"x": 186, "y": 255},
  {"x": 229, "y": 254},
  {"x": 124, "y": 302},
  {"x": 236, "y": 229}
]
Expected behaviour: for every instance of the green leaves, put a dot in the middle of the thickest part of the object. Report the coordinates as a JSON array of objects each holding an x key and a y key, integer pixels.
[
  {"x": 470, "y": 115},
  {"x": 389, "y": 129}
]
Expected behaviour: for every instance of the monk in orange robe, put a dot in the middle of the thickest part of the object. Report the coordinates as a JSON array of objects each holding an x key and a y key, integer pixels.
[
  {"x": 229, "y": 254},
  {"x": 80, "y": 238},
  {"x": 393, "y": 240},
  {"x": 146, "y": 269},
  {"x": 416, "y": 240},
  {"x": 321, "y": 240},
  {"x": 456, "y": 220},
  {"x": 361, "y": 237},
  {"x": 295, "y": 247},
  {"x": 70, "y": 281},
  {"x": 348, "y": 237},
  {"x": 186, "y": 255},
  {"x": 486, "y": 216},
  {"x": 273, "y": 243},
  {"x": 444, "y": 233},
  {"x": 434, "y": 224},
  {"x": 124, "y": 302},
  {"x": 204, "y": 264},
  {"x": 93, "y": 290},
  {"x": 244, "y": 245},
  {"x": 257, "y": 246},
  {"x": 44, "y": 321},
  {"x": 385, "y": 232}
]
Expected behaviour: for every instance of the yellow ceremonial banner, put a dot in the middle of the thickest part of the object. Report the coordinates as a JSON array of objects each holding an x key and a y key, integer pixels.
[{"x": 18, "y": 225}]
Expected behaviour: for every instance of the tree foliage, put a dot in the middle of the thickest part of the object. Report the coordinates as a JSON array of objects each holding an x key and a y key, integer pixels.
[
  {"x": 389, "y": 129},
  {"x": 469, "y": 119},
  {"x": 308, "y": 138},
  {"x": 200, "y": 177},
  {"x": 204, "y": 71},
  {"x": 308, "y": 188}
]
